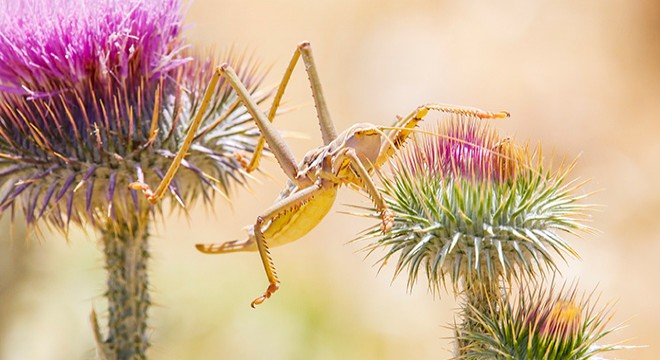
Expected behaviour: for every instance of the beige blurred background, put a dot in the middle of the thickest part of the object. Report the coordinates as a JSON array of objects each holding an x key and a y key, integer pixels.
[{"x": 580, "y": 77}]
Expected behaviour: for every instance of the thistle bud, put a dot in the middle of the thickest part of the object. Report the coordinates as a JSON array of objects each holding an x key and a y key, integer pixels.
[
  {"x": 475, "y": 207},
  {"x": 540, "y": 324}
]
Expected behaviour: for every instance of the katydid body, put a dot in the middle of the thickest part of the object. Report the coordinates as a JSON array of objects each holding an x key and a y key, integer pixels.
[
  {"x": 347, "y": 158},
  {"x": 285, "y": 228},
  {"x": 326, "y": 178}
]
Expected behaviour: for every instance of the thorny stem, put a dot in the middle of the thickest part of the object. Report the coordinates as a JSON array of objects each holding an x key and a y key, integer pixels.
[
  {"x": 125, "y": 246},
  {"x": 478, "y": 295}
]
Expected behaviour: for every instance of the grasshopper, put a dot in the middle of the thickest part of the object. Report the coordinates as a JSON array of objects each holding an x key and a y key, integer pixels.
[{"x": 346, "y": 158}]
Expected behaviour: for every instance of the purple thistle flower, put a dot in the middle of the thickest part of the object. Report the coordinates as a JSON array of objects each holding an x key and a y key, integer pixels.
[
  {"x": 464, "y": 148},
  {"x": 47, "y": 47},
  {"x": 98, "y": 94},
  {"x": 93, "y": 96}
]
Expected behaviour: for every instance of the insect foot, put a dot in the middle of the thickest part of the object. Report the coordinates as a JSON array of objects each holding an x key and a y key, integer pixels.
[
  {"x": 387, "y": 216},
  {"x": 146, "y": 190},
  {"x": 243, "y": 158},
  {"x": 271, "y": 289}
]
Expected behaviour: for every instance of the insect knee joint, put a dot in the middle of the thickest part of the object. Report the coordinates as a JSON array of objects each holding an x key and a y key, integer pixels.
[{"x": 222, "y": 68}]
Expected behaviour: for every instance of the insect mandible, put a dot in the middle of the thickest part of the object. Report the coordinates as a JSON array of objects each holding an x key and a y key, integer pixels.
[{"x": 346, "y": 158}]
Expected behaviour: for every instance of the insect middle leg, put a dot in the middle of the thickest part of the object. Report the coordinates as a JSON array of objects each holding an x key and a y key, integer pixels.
[
  {"x": 268, "y": 133},
  {"x": 272, "y": 137},
  {"x": 328, "y": 131}
]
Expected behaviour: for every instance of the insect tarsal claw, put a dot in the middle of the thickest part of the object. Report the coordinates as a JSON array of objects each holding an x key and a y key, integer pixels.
[
  {"x": 146, "y": 190},
  {"x": 269, "y": 291},
  {"x": 387, "y": 216},
  {"x": 243, "y": 159}
]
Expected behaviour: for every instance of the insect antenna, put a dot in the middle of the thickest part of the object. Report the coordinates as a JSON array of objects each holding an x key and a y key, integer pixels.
[{"x": 507, "y": 158}]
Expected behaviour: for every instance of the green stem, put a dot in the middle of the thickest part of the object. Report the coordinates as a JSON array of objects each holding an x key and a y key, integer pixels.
[
  {"x": 126, "y": 254},
  {"x": 479, "y": 296}
]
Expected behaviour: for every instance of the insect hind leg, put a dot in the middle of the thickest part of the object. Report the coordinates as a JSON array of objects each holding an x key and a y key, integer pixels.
[{"x": 228, "y": 246}]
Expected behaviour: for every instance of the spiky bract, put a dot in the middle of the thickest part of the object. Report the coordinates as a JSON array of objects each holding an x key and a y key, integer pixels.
[
  {"x": 539, "y": 323},
  {"x": 96, "y": 95},
  {"x": 473, "y": 206}
]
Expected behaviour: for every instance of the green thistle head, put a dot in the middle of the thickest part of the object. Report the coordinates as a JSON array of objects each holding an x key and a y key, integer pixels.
[
  {"x": 539, "y": 324},
  {"x": 98, "y": 94},
  {"x": 473, "y": 206}
]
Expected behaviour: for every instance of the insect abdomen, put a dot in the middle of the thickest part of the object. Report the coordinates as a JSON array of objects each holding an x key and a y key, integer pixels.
[{"x": 297, "y": 223}]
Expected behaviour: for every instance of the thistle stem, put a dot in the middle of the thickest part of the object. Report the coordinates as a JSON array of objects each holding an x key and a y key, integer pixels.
[
  {"x": 126, "y": 255},
  {"x": 479, "y": 296}
]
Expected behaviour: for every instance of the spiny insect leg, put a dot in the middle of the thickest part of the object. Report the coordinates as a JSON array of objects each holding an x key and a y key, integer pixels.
[
  {"x": 290, "y": 203},
  {"x": 154, "y": 196},
  {"x": 398, "y": 137},
  {"x": 369, "y": 186}
]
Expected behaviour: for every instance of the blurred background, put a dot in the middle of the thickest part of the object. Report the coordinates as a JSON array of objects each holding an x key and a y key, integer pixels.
[{"x": 579, "y": 77}]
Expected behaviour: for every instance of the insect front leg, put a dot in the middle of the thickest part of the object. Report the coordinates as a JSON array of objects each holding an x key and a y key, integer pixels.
[
  {"x": 291, "y": 203},
  {"x": 406, "y": 125}
]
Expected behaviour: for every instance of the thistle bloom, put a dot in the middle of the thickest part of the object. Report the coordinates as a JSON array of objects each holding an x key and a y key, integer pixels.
[
  {"x": 474, "y": 207},
  {"x": 93, "y": 96},
  {"x": 99, "y": 94},
  {"x": 540, "y": 324}
]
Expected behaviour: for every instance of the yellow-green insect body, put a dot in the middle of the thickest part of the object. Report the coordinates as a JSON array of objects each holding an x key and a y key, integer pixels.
[{"x": 286, "y": 227}]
